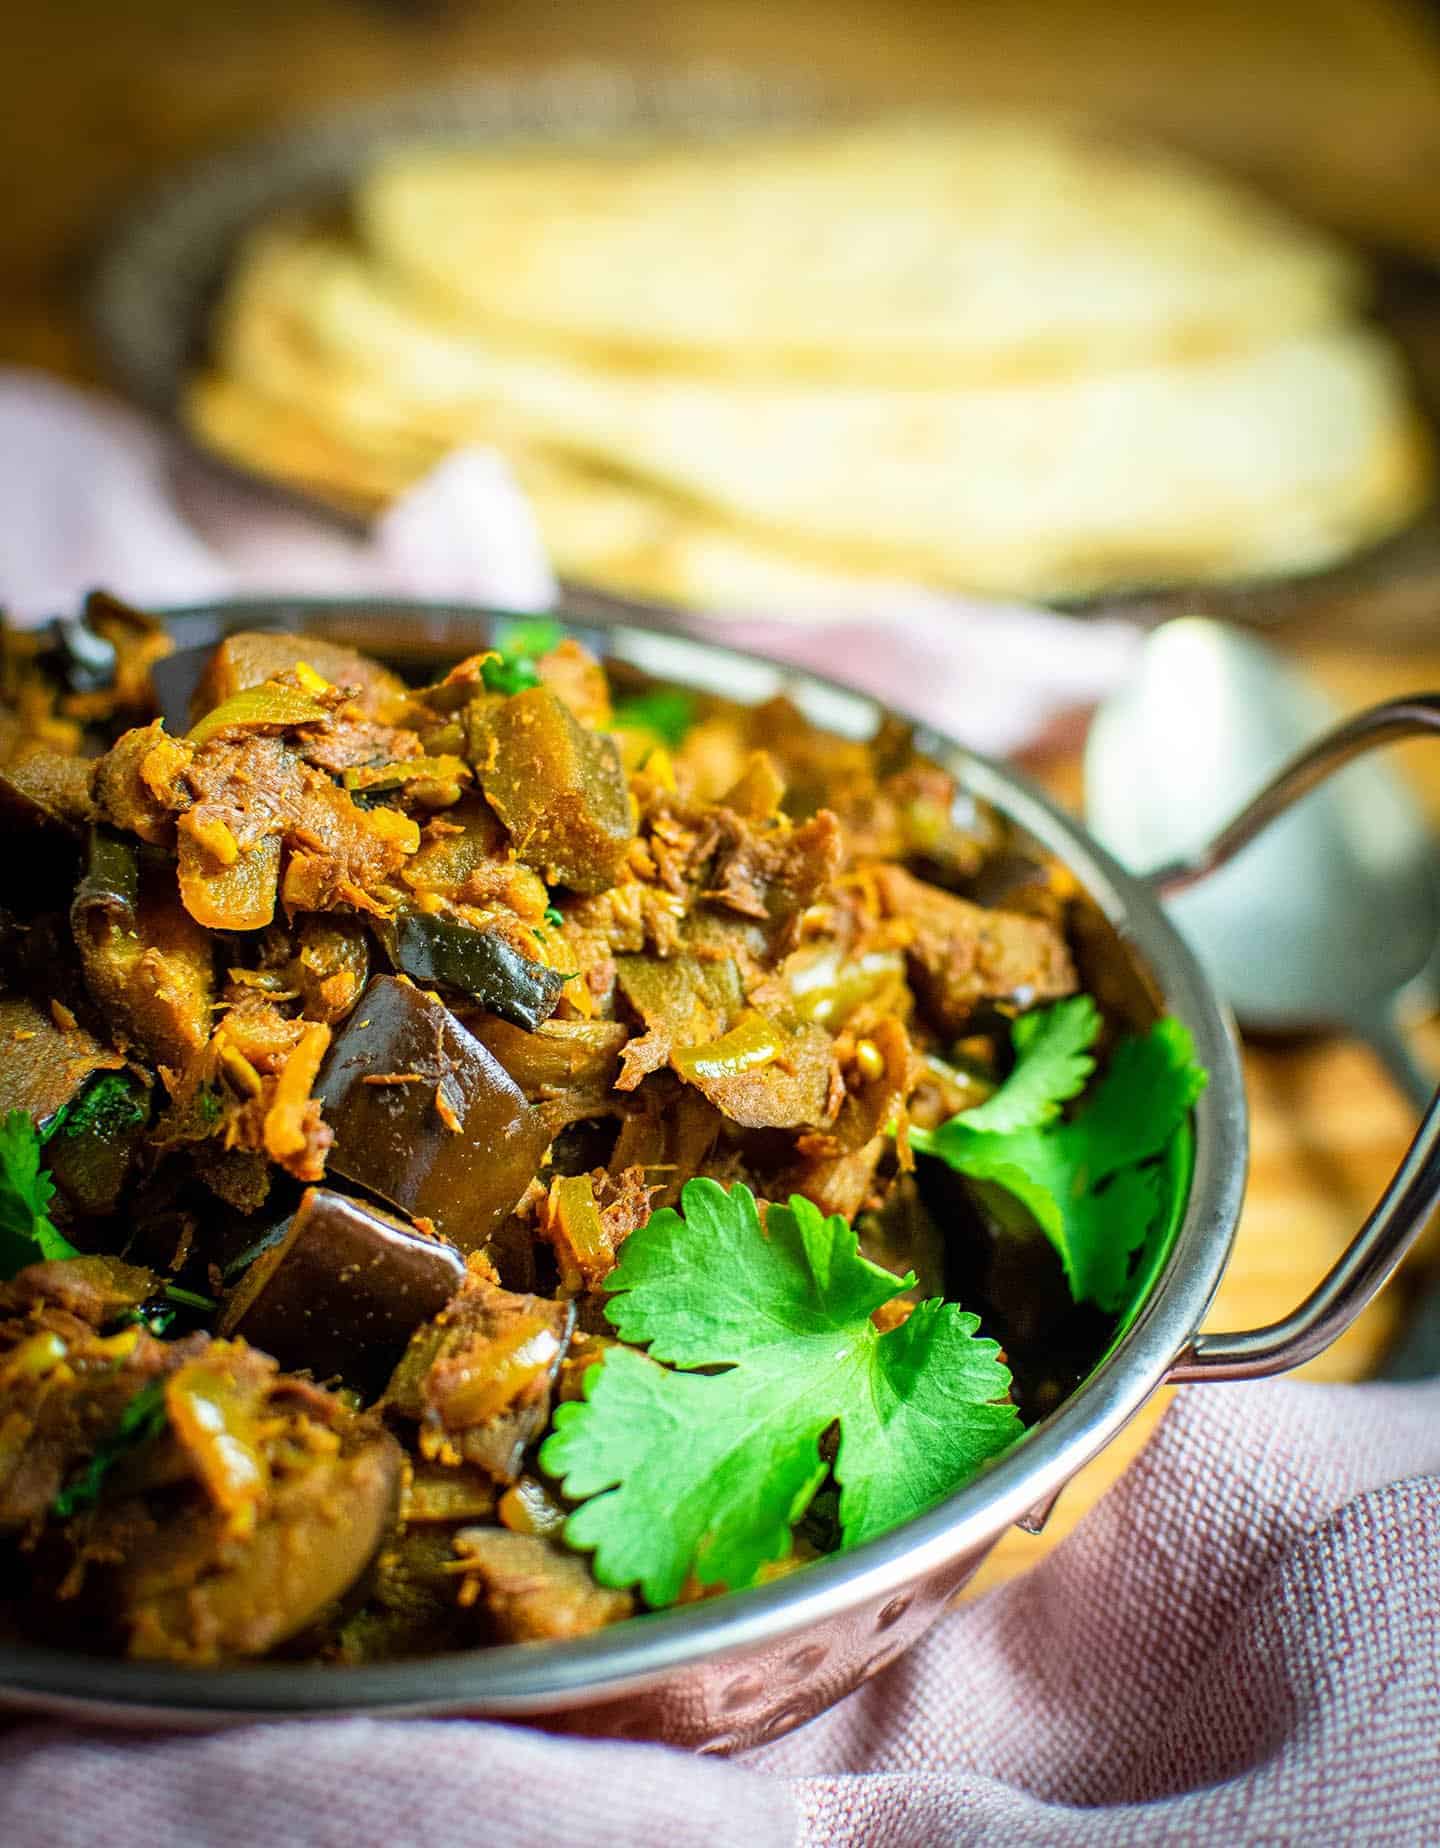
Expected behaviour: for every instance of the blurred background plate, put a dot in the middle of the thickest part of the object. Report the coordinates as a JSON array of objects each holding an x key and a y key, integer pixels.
[{"x": 163, "y": 269}]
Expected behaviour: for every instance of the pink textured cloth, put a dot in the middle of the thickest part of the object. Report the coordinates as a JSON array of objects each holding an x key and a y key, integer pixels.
[{"x": 1240, "y": 1644}]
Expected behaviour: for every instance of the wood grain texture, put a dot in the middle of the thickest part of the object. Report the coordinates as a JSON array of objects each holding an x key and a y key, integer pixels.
[{"x": 1335, "y": 105}]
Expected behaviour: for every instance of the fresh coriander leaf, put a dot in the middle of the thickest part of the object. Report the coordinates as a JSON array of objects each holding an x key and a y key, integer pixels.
[
  {"x": 28, "y": 1235},
  {"x": 1083, "y": 1179},
  {"x": 143, "y": 1418},
  {"x": 519, "y": 646},
  {"x": 553, "y": 918},
  {"x": 531, "y": 636},
  {"x": 1174, "y": 1172},
  {"x": 688, "y": 1473},
  {"x": 666, "y": 713},
  {"x": 1052, "y": 1063}
]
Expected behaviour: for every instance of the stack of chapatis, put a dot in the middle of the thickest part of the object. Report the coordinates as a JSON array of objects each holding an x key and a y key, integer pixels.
[{"x": 994, "y": 355}]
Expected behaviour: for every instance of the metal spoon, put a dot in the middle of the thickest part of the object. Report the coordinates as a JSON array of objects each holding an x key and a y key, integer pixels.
[{"x": 1330, "y": 920}]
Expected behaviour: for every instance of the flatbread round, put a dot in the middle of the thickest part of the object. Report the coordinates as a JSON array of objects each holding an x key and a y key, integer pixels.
[
  {"x": 1276, "y": 457},
  {"x": 960, "y": 249}
]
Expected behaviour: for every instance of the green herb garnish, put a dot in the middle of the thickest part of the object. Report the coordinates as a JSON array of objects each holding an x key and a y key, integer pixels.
[
  {"x": 665, "y": 712},
  {"x": 685, "y": 1473},
  {"x": 1052, "y": 1062},
  {"x": 1092, "y": 1182},
  {"x": 28, "y": 1235},
  {"x": 143, "y": 1418},
  {"x": 519, "y": 646},
  {"x": 108, "y": 1106},
  {"x": 553, "y": 918}
]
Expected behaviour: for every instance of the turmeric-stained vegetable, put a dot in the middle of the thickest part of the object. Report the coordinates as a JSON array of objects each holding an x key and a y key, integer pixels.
[
  {"x": 214, "y": 1413},
  {"x": 270, "y": 707},
  {"x": 758, "y": 791},
  {"x": 191, "y": 1593},
  {"x": 478, "y": 1381},
  {"x": 232, "y": 894},
  {"x": 774, "y": 1075},
  {"x": 480, "y": 963},
  {"x": 285, "y": 1130},
  {"x": 752, "y": 1041},
  {"x": 528, "y": 1507},
  {"x": 570, "y": 1063},
  {"x": 827, "y": 986},
  {"x": 530, "y": 1589},
  {"x": 149, "y": 966},
  {"x": 330, "y": 966},
  {"x": 394, "y": 1138},
  {"x": 585, "y": 1250},
  {"x": 435, "y": 782},
  {"x": 557, "y": 787},
  {"x": 251, "y": 656},
  {"x": 43, "y": 1066},
  {"x": 343, "y": 1290}
]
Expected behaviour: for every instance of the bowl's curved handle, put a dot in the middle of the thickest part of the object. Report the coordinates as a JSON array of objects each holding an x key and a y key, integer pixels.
[{"x": 1413, "y": 1193}]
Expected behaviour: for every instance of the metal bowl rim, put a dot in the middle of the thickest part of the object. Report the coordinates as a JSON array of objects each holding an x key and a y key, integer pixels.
[{"x": 529, "y": 1678}]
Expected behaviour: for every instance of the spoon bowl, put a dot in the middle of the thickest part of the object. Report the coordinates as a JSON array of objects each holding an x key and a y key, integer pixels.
[{"x": 1329, "y": 920}]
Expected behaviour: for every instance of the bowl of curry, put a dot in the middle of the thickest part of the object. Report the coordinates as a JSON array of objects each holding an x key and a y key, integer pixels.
[{"x": 551, "y": 1168}]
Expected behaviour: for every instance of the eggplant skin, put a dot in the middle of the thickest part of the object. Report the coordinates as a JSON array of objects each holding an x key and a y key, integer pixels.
[
  {"x": 380, "y": 1088},
  {"x": 343, "y": 1290},
  {"x": 480, "y": 963}
]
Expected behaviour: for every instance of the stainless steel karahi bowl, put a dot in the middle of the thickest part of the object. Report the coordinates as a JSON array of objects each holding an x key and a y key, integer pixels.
[{"x": 746, "y": 1668}]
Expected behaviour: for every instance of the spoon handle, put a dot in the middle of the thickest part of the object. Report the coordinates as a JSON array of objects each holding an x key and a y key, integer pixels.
[{"x": 1382, "y": 1033}]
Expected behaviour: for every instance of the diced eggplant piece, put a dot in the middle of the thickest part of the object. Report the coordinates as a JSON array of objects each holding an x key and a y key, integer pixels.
[
  {"x": 44, "y": 1066},
  {"x": 569, "y": 1062},
  {"x": 251, "y": 656},
  {"x": 195, "y": 1592},
  {"x": 558, "y": 788},
  {"x": 148, "y": 965},
  {"x": 480, "y": 963},
  {"x": 444, "y": 1492},
  {"x": 44, "y": 810},
  {"x": 479, "y": 1382},
  {"x": 343, "y": 1291},
  {"x": 425, "y": 1117},
  {"x": 532, "y": 1590},
  {"x": 46, "y": 790}
]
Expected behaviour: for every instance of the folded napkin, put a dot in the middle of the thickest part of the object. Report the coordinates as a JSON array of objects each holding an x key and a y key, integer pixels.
[{"x": 1240, "y": 1644}]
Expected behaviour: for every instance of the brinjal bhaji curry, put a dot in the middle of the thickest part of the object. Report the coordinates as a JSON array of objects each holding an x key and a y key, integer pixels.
[{"x": 482, "y": 1159}]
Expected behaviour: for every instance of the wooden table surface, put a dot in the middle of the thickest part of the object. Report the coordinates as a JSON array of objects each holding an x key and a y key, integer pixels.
[{"x": 1334, "y": 104}]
